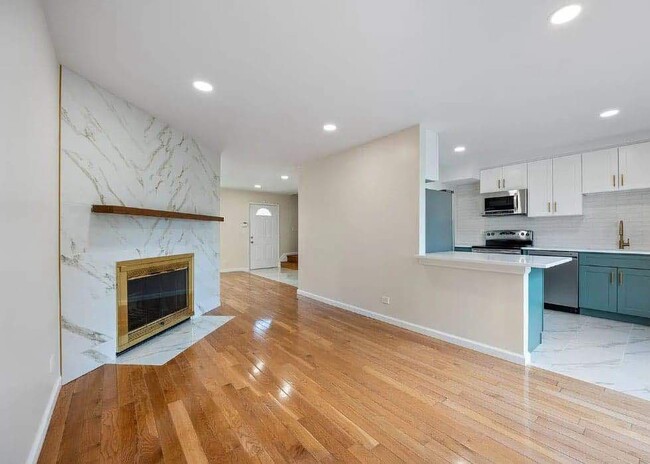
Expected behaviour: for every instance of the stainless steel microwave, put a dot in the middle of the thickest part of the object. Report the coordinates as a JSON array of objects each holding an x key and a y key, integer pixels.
[{"x": 508, "y": 203}]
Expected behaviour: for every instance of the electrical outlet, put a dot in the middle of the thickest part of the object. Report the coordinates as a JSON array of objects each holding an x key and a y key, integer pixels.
[
  {"x": 385, "y": 299},
  {"x": 51, "y": 363}
]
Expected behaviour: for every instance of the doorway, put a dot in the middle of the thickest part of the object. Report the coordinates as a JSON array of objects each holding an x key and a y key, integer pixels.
[{"x": 264, "y": 248}]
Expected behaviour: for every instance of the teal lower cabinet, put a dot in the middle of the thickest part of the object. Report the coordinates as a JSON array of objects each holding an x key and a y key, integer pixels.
[
  {"x": 634, "y": 292},
  {"x": 535, "y": 308},
  {"x": 598, "y": 288},
  {"x": 615, "y": 286}
]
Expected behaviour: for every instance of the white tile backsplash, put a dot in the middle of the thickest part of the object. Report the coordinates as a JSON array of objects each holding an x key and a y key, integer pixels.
[{"x": 596, "y": 228}]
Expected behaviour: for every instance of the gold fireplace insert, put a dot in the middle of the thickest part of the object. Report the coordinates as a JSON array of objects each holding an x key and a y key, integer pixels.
[{"x": 153, "y": 294}]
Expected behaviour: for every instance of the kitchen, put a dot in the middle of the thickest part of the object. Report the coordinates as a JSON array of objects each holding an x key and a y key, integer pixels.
[{"x": 593, "y": 208}]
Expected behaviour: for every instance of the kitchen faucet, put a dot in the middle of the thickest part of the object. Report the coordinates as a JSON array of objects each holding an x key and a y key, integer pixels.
[{"x": 622, "y": 243}]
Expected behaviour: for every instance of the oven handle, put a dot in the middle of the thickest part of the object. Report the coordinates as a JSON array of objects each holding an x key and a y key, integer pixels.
[{"x": 505, "y": 212}]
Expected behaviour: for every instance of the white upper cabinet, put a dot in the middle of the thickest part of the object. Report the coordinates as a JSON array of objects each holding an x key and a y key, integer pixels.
[
  {"x": 555, "y": 187},
  {"x": 567, "y": 186},
  {"x": 491, "y": 180},
  {"x": 600, "y": 171},
  {"x": 634, "y": 166},
  {"x": 513, "y": 177},
  {"x": 429, "y": 151},
  {"x": 540, "y": 188},
  {"x": 624, "y": 168}
]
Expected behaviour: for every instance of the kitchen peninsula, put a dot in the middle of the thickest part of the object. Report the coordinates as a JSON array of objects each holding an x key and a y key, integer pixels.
[{"x": 506, "y": 317}]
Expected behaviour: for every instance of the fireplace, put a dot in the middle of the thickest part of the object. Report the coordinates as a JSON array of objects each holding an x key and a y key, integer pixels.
[{"x": 153, "y": 294}]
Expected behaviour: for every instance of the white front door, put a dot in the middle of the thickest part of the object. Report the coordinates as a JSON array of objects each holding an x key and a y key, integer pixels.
[{"x": 264, "y": 236}]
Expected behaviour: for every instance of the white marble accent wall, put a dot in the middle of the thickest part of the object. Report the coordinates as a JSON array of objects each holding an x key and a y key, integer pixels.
[
  {"x": 115, "y": 153},
  {"x": 596, "y": 228}
]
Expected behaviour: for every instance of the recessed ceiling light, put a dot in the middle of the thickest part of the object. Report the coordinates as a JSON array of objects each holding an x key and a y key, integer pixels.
[
  {"x": 566, "y": 14},
  {"x": 329, "y": 127},
  {"x": 257, "y": 186},
  {"x": 459, "y": 149},
  {"x": 202, "y": 86},
  {"x": 610, "y": 113},
  {"x": 284, "y": 177}
]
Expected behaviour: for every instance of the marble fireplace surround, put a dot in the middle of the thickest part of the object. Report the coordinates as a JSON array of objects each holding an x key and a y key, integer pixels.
[{"x": 114, "y": 153}]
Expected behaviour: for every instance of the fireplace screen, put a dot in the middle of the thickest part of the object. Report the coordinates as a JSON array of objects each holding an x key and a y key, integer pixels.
[{"x": 153, "y": 295}]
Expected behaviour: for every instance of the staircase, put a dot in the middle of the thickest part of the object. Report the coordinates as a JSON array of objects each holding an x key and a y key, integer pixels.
[{"x": 291, "y": 263}]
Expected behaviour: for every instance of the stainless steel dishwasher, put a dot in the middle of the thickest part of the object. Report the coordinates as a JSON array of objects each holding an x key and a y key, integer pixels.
[{"x": 561, "y": 282}]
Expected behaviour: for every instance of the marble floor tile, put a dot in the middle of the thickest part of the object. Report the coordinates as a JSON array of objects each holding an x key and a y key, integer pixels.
[
  {"x": 612, "y": 354},
  {"x": 286, "y": 276},
  {"x": 639, "y": 333},
  {"x": 166, "y": 346}
]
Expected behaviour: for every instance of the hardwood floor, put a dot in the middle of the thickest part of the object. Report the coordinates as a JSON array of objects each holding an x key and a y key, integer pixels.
[{"x": 296, "y": 380}]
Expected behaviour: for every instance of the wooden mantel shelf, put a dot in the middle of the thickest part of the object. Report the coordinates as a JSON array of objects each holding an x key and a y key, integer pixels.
[{"x": 114, "y": 209}]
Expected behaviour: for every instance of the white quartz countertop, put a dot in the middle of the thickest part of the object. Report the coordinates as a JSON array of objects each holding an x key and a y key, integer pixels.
[
  {"x": 491, "y": 261},
  {"x": 591, "y": 250}
]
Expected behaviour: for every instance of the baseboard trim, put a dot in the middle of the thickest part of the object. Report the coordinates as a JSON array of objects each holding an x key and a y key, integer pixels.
[
  {"x": 437, "y": 334},
  {"x": 35, "y": 452},
  {"x": 235, "y": 269}
]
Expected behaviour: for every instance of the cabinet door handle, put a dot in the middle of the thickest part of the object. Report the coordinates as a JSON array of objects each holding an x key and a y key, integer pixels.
[
  {"x": 555, "y": 206},
  {"x": 622, "y": 180},
  {"x": 548, "y": 206},
  {"x": 499, "y": 183},
  {"x": 611, "y": 277},
  {"x": 620, "y": 277},
  {"x": 613, "y": 180},
  {"x": 504, "y": 183}
]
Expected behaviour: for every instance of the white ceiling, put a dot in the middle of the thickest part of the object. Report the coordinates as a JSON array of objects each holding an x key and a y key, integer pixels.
[{"x": 492, "y": 75}]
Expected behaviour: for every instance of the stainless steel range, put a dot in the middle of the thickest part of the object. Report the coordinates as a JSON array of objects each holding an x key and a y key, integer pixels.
[
  {"x": 505, "y": 241},
  {"x": 560, "y": 282}
]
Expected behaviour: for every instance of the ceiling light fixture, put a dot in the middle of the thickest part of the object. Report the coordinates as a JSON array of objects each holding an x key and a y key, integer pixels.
[
  {"x": 257, "y": 186},
  {"x": 566, "y": 14},
  {"x": 284, "y": 177},
  {"x": 609, "y": 113},
  {"x": 329, "y": 127},
  {"x": 203, "y": 86},
  {"x": 459, "y": 149}
]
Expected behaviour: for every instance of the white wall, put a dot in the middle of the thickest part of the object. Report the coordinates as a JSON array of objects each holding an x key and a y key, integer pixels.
[
  {"x": 596, "y": 228},
  {"x": 29, "y": 318},
  {"x": 235, "y": 238},
  {"x": 115, "y": 153},
  {"x": 359, "y": 235}
]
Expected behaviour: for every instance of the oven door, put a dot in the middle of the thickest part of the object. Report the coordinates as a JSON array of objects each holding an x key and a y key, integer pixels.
[{"x": 508, "y": 203}]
